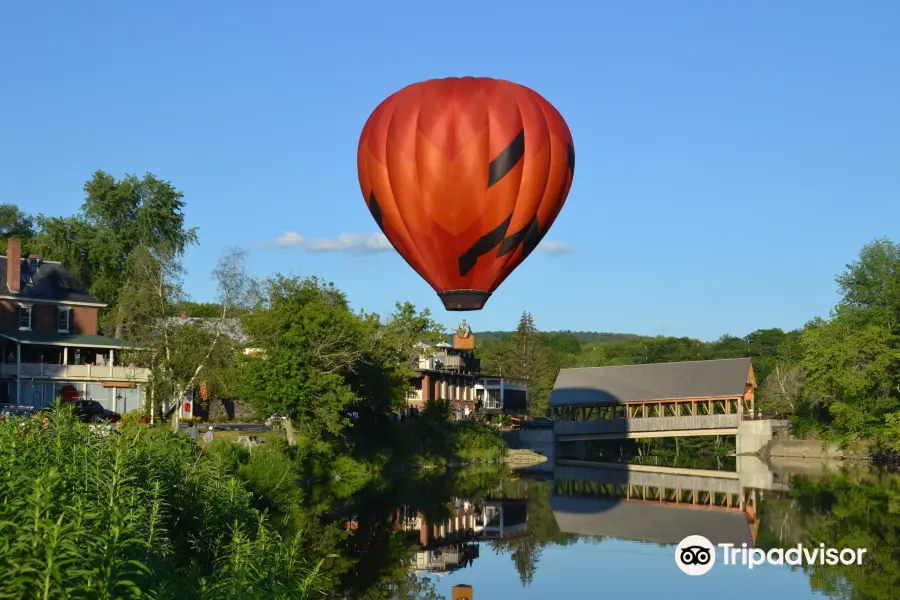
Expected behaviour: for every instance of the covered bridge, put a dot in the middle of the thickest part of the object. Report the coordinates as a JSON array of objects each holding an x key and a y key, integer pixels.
[{"x": 676, "y": 397}]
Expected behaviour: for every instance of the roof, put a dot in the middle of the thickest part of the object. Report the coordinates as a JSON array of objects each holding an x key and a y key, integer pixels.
[
  {"x": 660, "y": 381},
  {"x": 229, "y": 326},
  {"x": 41, "y": 338},
  {"x": 52, "y": 282},
  {"x": 649, "y": 522}
]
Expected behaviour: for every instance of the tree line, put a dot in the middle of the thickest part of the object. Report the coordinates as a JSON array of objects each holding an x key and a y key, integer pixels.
[
  {"x": 332, "y": 372},
  {"x": 838, "y": 377}
]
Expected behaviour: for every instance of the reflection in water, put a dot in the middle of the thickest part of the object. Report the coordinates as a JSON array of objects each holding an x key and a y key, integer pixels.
[{"x": 452, "y": 530}]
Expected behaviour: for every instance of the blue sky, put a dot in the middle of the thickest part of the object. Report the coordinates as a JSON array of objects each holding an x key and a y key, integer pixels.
[{"x": 732, "y": 157}]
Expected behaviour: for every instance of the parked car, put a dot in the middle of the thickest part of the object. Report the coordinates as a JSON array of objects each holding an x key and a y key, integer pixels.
[
  {"x": 16, "y": 411},
  {"x": 537, "y": 423},
  {"x": 91, "y": 411}
]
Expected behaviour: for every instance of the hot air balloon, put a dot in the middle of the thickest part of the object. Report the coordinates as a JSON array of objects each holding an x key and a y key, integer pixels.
[{"x": 465, "y": 176}]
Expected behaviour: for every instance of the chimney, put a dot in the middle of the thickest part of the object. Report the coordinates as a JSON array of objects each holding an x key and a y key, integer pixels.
[
  {"x": 14, "y": 265},
  {"x": 462, "y": 592}
]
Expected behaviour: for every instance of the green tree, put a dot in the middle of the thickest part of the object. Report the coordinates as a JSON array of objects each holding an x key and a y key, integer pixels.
[
  {"x": 782, "y": 390},
  {"x": 15, "y": 224},
  {"x": 872, "y": 284},
  {"x": 179, "y": 353},
  {"x": 852, "y": 362},
  {"x": 852, "y": 372},
  {"x": 310, "y": 339},
  {"x": 524, "y": 347},
  {"x": 117, "y": 217}
]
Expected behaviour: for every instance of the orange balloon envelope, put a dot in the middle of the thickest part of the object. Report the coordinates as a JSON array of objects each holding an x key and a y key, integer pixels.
[{"x": 465, "y": 176}]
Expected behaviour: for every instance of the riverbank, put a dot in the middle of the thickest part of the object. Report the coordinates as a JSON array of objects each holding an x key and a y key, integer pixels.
[{"x": 795, "y": 454}]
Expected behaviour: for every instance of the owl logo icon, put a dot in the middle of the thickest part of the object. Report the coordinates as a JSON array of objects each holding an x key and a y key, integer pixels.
[{"x": 695, "y": 555}]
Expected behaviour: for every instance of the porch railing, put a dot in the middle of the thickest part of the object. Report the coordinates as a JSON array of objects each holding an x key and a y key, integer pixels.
[{"x": 102, "y": 372}]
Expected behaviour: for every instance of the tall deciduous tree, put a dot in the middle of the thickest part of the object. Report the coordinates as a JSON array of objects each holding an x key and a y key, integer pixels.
[
  {"x": 782, "y": 390},
  {"x": 15, "y": 224},
  {"x": 180, "y": 353},
  {"x": 871, "y": 284},
  {"x": 320, "y": 360},
  {"x": 852, "y": 362},
  {"x": 117, "y": 217},
  {"x": 309, "y": 339}
]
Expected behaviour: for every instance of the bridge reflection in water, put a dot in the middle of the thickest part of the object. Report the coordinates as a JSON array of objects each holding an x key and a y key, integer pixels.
[
  {"x": 642, "y": 503},
  {"x": 659, "y": 504}
]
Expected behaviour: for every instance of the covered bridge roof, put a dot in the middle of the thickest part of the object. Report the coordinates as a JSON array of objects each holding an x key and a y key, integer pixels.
[
  {"x": 649, "y": 522},
  {"x": 591, "y": 386}
]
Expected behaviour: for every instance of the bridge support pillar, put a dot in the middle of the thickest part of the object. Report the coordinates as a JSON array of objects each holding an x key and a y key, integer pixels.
[
  {"x": 754, "y": 435},
  {"x": 540, "y": 441}
]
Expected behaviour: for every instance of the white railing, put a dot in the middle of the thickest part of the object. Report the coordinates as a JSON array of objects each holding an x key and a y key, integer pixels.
[{"x": 99, "y": 372}]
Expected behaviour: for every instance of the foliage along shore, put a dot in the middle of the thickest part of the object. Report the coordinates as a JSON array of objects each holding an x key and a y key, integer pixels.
[{"x": 145, "y": 512}]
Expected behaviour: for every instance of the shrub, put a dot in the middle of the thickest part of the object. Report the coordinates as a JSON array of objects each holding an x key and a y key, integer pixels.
[
  {"x": 271, "y": 476},
  {"x": 133, "y": 417}
]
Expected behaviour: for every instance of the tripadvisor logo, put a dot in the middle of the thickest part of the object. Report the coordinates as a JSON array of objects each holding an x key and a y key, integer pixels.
[{"x": 696, "y": 555}]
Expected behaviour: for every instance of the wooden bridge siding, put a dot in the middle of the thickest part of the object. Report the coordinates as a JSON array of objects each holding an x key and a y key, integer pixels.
[
  {"x": 691, "y": 498},
  {"x": 724, "y": 485},
  {"x": 675, "y": 407},
  {"x": 648, "y": 424}
]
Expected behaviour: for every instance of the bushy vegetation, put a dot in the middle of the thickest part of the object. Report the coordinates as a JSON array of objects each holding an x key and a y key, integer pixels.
[
  {"x": 137, "y": 515},
  {"x": 433, "y": 439}
]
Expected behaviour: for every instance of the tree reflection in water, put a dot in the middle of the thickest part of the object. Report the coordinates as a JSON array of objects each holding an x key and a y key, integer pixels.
[{"x": 393, "y": 539}]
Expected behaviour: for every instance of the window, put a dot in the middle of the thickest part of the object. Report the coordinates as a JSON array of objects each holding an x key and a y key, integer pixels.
[
  {"x": 63, "y": 319},
  {"x": 24, "y": 316}
]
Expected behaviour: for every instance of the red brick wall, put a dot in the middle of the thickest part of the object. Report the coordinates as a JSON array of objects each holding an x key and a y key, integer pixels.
[
  {"x": 84, "y": 320},
  {"x": 43, "y": 318},
  {"x": 9, "y": 315}
]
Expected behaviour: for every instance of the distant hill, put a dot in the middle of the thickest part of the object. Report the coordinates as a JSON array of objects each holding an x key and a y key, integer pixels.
[{"x": 585, "y": 337}]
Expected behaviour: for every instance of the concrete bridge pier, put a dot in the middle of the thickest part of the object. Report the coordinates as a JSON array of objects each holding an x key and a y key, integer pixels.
[
  {"x": 752, "y": 436},
  {"x": 540, "y": 441}
]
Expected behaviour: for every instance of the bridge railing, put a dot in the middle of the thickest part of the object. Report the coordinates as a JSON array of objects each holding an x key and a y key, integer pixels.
[{"x": 649, "y": 424}]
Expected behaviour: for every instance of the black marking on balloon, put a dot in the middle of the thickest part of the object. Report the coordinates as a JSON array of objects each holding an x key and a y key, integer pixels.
[
  {"x": 375, "y": 210},
  {"x": 504, "y": 162},
  {"x": 570, "y": 159},
  {"x": 532, "y": 238},
  {"x": 525, "y": 236},
  {"x": 485, "y": 244}
]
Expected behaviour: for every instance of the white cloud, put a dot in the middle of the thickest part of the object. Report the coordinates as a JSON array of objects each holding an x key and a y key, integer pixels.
[
  {"x": 352, "y": 243},
  {"x": 361, "y": 243},
  {"x": 289, "y": 239},
  {"x": 554, "y": 248}
]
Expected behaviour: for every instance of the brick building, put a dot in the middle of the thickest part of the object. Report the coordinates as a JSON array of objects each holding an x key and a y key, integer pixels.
[
  {"x": 50, "y": 341},
  {"x": 452, "y": 372}
]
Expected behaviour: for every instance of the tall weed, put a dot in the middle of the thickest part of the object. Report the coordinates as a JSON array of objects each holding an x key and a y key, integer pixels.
[{"x": 134, "y": 514}]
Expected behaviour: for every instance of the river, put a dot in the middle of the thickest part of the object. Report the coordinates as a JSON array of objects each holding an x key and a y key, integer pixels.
[{"x": 595, "y": 530}]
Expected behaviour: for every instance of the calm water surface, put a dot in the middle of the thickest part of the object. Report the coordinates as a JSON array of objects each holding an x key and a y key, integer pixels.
[{"x": 600, "y": 530}]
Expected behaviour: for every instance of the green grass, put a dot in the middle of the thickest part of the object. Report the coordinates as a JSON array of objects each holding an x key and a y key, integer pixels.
[{"x": 232, "y": 436}]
